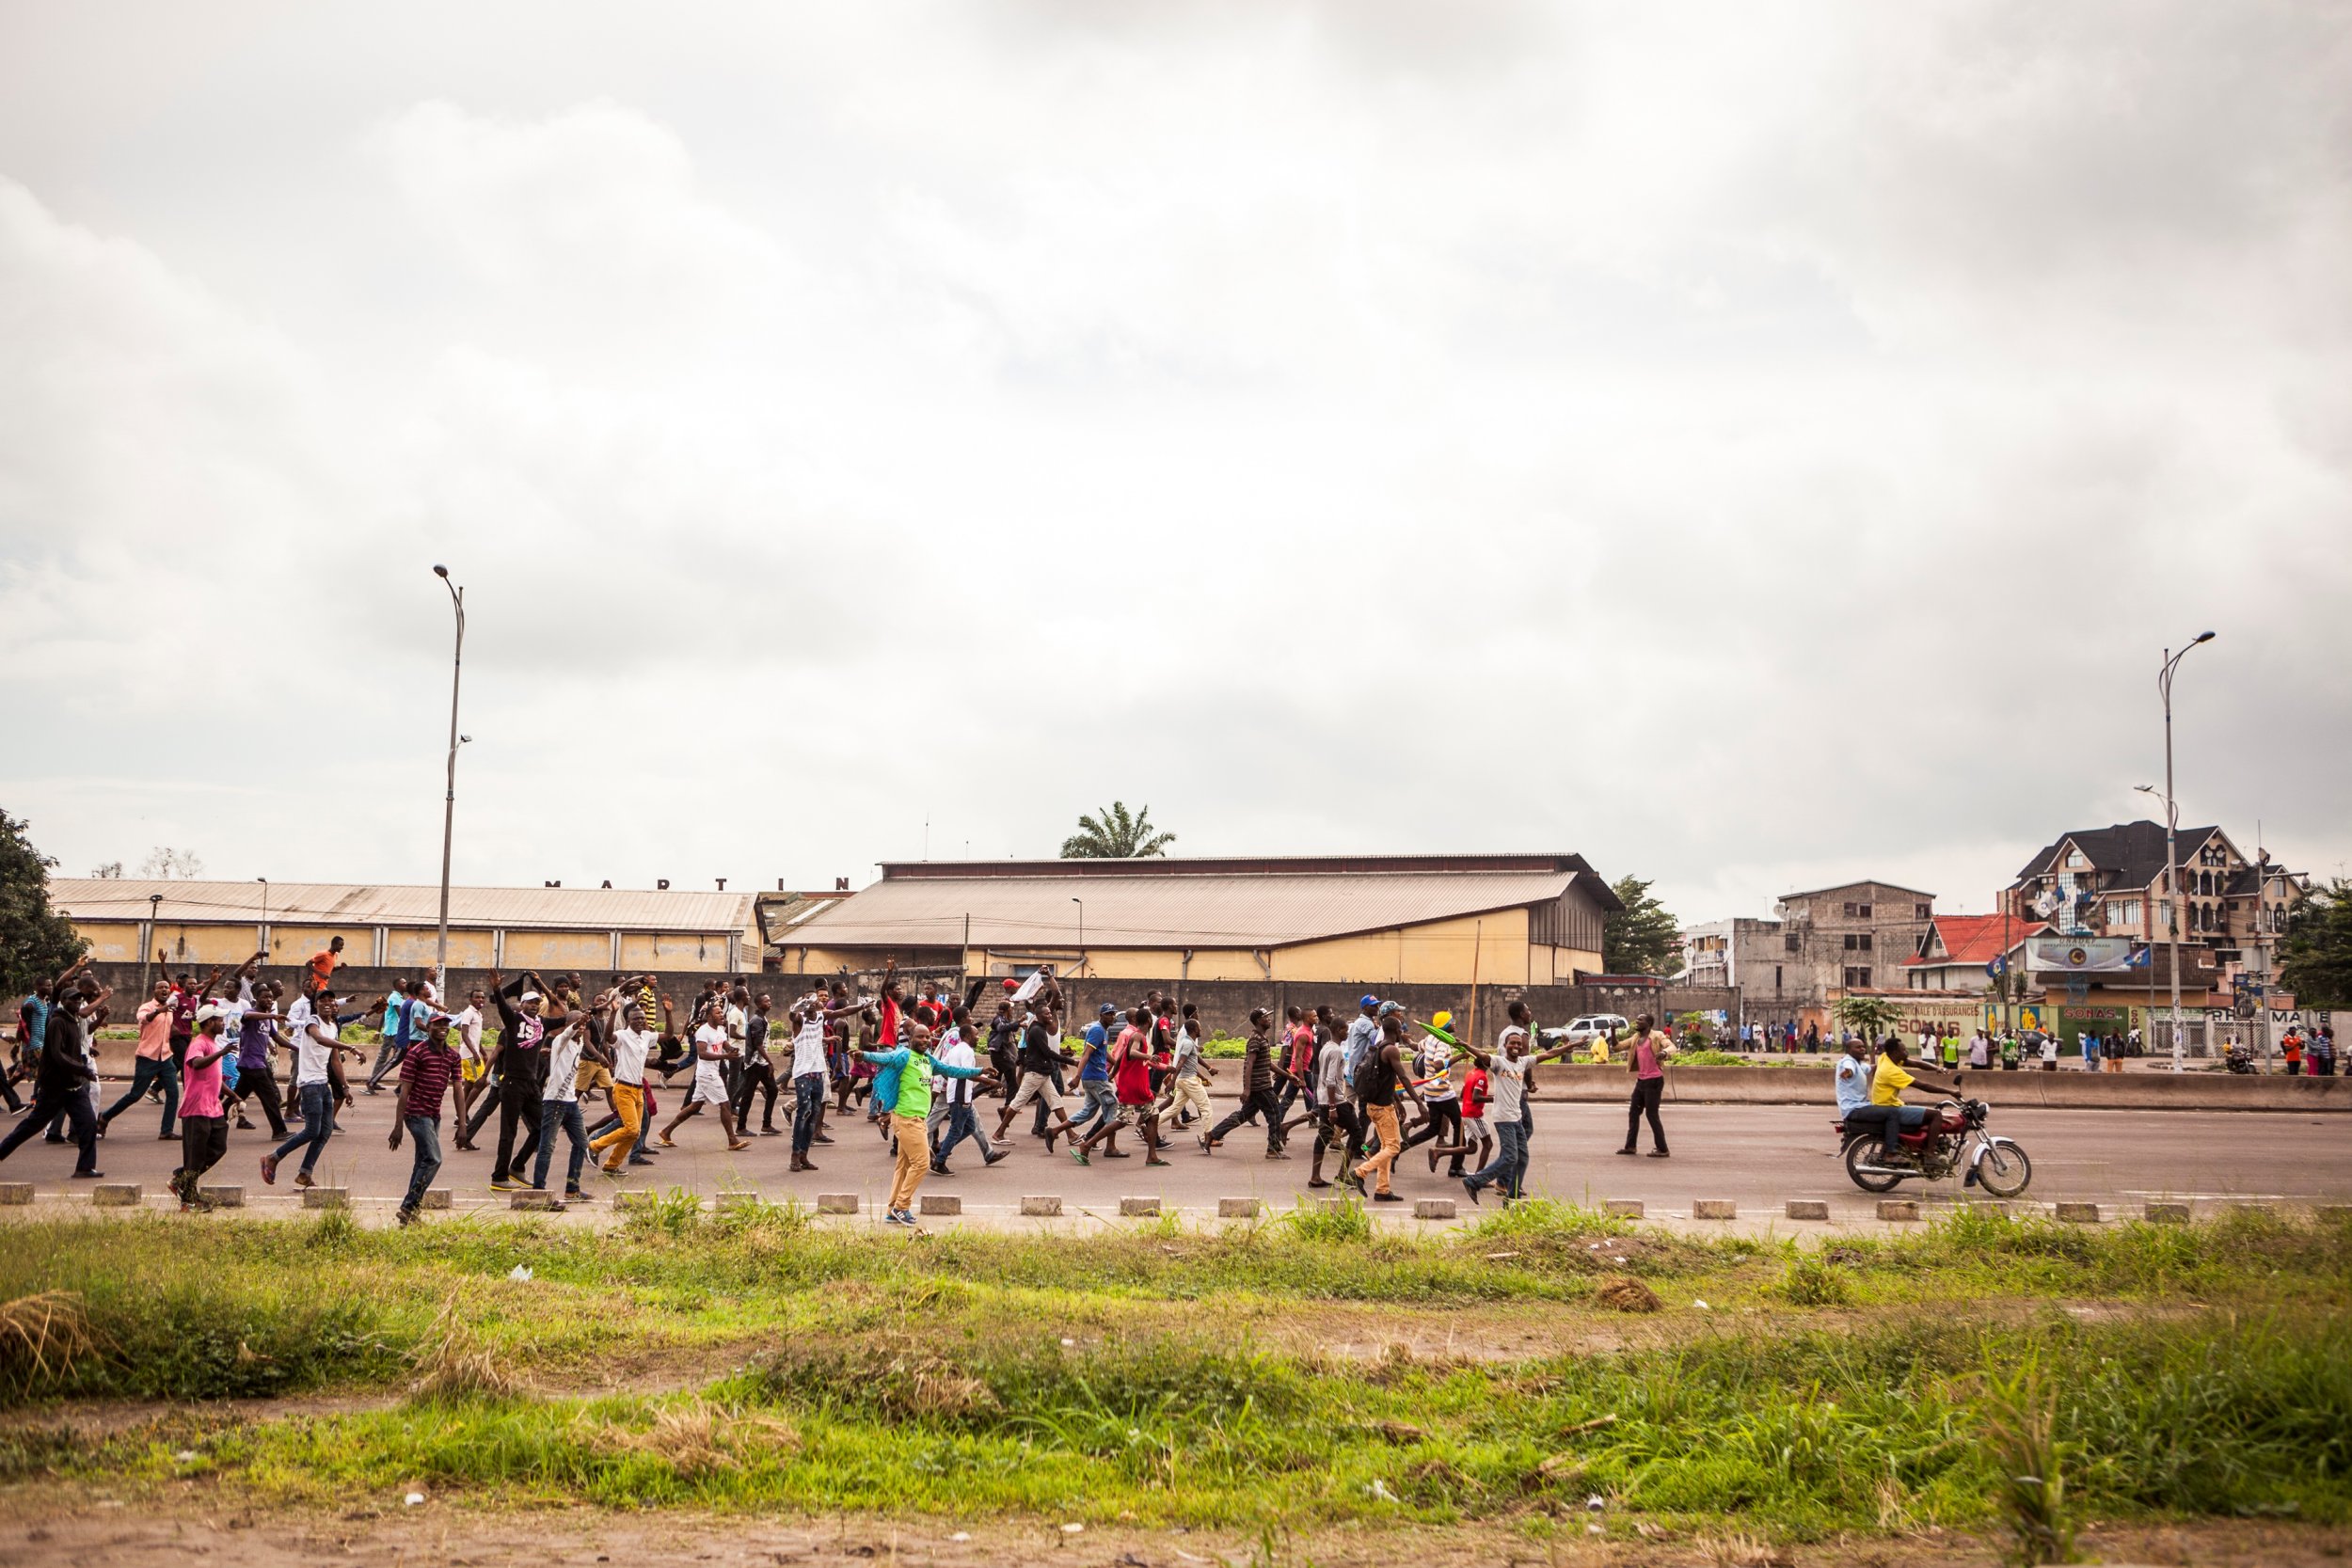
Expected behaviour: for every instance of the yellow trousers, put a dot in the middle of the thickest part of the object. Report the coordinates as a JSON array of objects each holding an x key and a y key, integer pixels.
[
  {"x": 629, "y": 1103},
  {"x": 914, "y": 1160},
  {"x": 1392, "y": 1145}
]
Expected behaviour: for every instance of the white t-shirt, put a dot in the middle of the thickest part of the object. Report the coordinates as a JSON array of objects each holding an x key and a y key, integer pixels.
[
  {"x": 958, "y": 1091},
  {"x": 710, "y": 1085},
  {"x": 737, "y": 1024},
  {"x": 563, "y": 1064},
  {"x": 1508, "y": 1079},
  {"x": 466, "y": 1026},
  {"x": 808, "y": 1045},
  {"x": 315, "y": 1047},
  {"x": 630, "y": 1047}
]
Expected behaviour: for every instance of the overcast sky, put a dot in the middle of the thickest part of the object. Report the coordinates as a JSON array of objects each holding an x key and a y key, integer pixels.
[{"x": 1753, "y": 447}]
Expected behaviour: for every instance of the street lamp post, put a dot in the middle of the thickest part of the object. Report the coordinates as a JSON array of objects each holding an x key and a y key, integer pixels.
[
  {"x": 264, "y": 944},
  {"x": 155, "y": 935},
  {"x": 1082, "y": 931},
  {"x": 2171, "y": 846},
  {"x": 449, "y": 801}
]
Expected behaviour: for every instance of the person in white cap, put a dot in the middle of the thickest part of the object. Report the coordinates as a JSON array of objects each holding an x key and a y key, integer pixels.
[{"x": 203, "y": 1120}]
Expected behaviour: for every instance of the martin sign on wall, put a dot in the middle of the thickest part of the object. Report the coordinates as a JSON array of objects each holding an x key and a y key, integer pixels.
[{"x": 2083, "y": 955}]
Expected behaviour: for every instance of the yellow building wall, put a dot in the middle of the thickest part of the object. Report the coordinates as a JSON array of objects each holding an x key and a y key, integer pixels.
[
  {"x": 406, "y": 947},
  {"x": 110, "y": 941},
  {"x": 204, "y": 945},
  {"x": 661, "y": 953},
  {"x": 293, "y": 945},
  {"x": 580, "y": 950}
]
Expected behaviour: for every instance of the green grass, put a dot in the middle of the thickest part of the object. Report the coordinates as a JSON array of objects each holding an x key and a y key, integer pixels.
[{"x": 1852, "y": 1387}]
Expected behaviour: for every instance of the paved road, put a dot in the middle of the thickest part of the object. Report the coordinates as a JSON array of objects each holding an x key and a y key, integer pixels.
[{"x": 1757, "y": 1155}]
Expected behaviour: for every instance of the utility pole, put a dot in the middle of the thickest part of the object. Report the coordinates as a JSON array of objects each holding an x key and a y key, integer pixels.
[{"x": 449, "y": 801}]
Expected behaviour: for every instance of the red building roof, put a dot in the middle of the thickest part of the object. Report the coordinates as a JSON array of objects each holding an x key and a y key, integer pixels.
[{"x": 1973, "y": 938}]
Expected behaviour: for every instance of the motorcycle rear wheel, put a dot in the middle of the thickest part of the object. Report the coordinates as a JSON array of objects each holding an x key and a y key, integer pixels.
[
  {"x": 1862, "y": 1151},
  {"x": 2005, "y": 1171}
]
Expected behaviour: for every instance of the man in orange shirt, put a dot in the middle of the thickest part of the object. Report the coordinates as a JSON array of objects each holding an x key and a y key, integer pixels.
[{"x": 323, "y": 965}]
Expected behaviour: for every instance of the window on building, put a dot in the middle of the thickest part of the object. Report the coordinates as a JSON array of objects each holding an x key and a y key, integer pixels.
[
  {"x": 1862, "y": 910},
  {"x": 1850, "y": 909},
  {"x": 1857, "y": 979},
  {"x": 1776, "y": 974},
  {"x": 1922, "y": 911},
  {"x": 1790, "y": 943},
  {"x": 1865, "y": 941},
  {"x": 1850, "y": 942}
]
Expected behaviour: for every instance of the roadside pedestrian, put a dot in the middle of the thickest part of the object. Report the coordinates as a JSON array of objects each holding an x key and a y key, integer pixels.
[
  {"x": 1507, "y": 1068},
  {"x": 1041, "y": 1056},
  {"x": 315, "y": 1043},
  {"x": 558, "y": 1107},
  {"x": 958, "y": 1093},
  {"x": 1132, "y": 1096},
  {"x": 62, "y": 1076},
  {"x": 2049, "y": 1051},
  {"x": 2291, "y": 1051},
  {"x": 1384, "y": 1073},
  {"x": 905, "y": 1075},
  {"x": 1649, "y": 1088},
  {"x": 522, "y": 1074},
  {"x": 711, "y": 1085},
  {"x": 759, "y": 1075},
  {"x": 203, "y": 1121},
  {"x": 150, "y": 1062},
  {"x": 431, "y": 1066},
  {"x": 1258, "y": 1099},
  {"x": 632, "y": 1044}
]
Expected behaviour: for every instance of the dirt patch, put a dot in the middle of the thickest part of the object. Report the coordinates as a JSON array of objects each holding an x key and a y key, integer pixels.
[{"x": 42, "y": 1531}]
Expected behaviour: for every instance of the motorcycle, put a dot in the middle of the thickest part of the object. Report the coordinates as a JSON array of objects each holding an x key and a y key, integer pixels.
[
  {"x": 2238, "y": 1058},
  {"x": 1951, "y": 1142}
]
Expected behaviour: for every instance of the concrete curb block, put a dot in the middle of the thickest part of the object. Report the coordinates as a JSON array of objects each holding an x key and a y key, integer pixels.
[
  {"x": 326, "y": 1198},
  {"x": 1433, "y": 1207},
  {"x": 1806, "y": 1209},
  {"x": 2077, "y": 1214},
  {"x": 836, "y": 1203},
  {"x": 1715, "y": 1208},
  {"x": 115, "y": 1194},
  {"x": 940, "y": 1203},
  {"x": 14, "y": 1193},
  {"x": 524, "y": 1198},
  {"x": 1040, "y": 1208},
  {"x": 1898, "y": 1209},
  {"x": 1623, "y": 1208},
  {"x": 436, "y": 1197},
  {"x": 225, "y": 1197},
  {"x": 1138, "y": 1208},
  {"x": 1239, "y": 1208},
  {"x": 737, "y": 1200},
  {"x": 621, "y": 1201},
  {"x": 2165, "y": 1213},
  {"x": 2264, "y": 1210}
]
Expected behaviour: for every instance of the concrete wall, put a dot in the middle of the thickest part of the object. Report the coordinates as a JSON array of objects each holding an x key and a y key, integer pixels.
[
  {"x": 1225, "y": 1006},
  {"x": 2064, "y": 1090},
  {"x": 200, "y": 945}
]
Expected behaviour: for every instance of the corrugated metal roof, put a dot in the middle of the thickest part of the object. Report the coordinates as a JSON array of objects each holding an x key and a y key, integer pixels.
[
  {"x": 1160, "y": 910},
  {"x": 568, "y": 909}
]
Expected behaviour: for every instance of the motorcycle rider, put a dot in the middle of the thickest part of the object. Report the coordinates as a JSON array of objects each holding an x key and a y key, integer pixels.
[{"x": 1887, "y": 1082}]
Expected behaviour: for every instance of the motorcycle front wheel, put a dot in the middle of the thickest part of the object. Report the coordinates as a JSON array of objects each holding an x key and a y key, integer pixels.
[
  {"x": 1860, "y": 1152},
  {"x": 2004, "y": 1171}
]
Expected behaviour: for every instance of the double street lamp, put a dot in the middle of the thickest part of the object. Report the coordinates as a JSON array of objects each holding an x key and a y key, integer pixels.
[
  {"x": 2171, "y": 844},
  {"x": 449, "y": 801}
]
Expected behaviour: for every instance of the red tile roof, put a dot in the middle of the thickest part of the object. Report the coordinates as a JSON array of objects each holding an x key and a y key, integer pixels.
[{"x": 1974, "y": 937}]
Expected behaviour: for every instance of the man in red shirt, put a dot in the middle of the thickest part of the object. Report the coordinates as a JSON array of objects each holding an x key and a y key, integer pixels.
[
  {"x": 1131, "y": 1083},
  {"x": 430, "y": 1067}
]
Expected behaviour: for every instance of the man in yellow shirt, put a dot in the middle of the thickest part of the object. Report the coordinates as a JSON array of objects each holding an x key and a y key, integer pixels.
[{"x": 1887, "y": 1082}]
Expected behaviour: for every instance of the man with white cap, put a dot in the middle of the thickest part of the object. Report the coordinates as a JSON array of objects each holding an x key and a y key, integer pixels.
[
  {"x": 203, "y": 1120},
  {"x": 522, "y": 1080}
]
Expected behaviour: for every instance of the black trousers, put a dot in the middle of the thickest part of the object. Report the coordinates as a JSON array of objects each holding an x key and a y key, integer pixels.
[
  {"x": 203, "y": 1141},
  {"x": 1340, "y": 1124},
  {"x": 1646, "y": 1094},
  {"x": 756, "y": 1076},
  {"x": 258, "y": 1086},
  {"x": 518, "y": 1105},
  {"x": 1262, "y": 1103},
  {"x": 71, "y": 1102},
  {"x": 1445, "y": 1119}
]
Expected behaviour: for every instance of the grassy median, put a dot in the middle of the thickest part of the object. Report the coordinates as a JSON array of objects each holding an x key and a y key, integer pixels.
[{"x": 1298, "y": 1372}]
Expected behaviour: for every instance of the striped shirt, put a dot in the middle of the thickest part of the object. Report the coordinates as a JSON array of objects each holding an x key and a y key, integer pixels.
[{"x": 427, "y": 1072}]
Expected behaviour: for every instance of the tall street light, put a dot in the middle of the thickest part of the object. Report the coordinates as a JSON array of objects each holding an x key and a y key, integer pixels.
[
  {"x": 264, "y": 944},
  {"x": 2171, "y": 844},
  {"x": 1082, "y": 931},
  {"x": 449, "y": 801}
]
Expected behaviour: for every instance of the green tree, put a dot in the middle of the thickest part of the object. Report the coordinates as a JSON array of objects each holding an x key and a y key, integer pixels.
[
  {"x": 1643, "y": 937},
  {"x": 1871, "y": 1017},
  {"x": 1116, "y": 836},
  {"x": 36, "y": 942},
  {"x": 2315, "y": 959}
]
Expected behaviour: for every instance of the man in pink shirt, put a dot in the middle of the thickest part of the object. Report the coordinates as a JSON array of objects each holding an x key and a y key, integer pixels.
[
  {"x": 204, "y": 1122},
  {"x": 152, "y": 1063}
]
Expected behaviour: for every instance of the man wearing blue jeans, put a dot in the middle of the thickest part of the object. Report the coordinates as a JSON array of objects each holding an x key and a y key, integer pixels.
[
  {"x": 315, "y": 1047},
  {"x": 1507, "y": 1114},
  {"x": 560, "y": 1107},
  {"x": 403, "y": 1021},
  {"x": 430, "y": 1067}
]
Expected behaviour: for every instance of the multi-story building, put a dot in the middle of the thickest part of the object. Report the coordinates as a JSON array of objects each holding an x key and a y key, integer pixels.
[
  {"x": 2111, "y": 882},
  {"x": 1852, "y": 937}
]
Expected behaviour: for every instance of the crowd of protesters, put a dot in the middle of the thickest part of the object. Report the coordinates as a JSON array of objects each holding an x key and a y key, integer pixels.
[{"x": 519, "y": 1067}]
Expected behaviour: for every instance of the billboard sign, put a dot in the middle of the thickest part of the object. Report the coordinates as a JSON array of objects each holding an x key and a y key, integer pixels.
[{"x": 2083, "y": 955}]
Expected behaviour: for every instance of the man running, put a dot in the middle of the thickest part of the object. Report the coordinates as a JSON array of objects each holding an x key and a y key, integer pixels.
[
  {"x": 1385, "y": 1072},
  {"x": 427, "y": 1072},
  {"x": 1506, "y": 1070},
  {"x": 1258, "y": 1099},
  {"x": 1131, "y": 1090}
]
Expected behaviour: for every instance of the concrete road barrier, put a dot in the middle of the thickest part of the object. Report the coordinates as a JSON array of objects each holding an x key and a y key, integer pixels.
[
  {"x": 326, "y": 1198},
  {"x": 1623, "y": 1208},
  {"x": 522, "y": 1198},
  {"x": 1898, "y": 1208},
  {"x": 1040, "y": 1208},
  {"x": 115, "y": 1194},
  {"x": 737, "y": 1200},
  {"x": 2077, "y": 1213},
  {"x": 1433, "y": 1207},
  {"x": 1808, "y": 1209},
  {"x": 224, "y": 1197},
  {"x": 1138, "y": 1208},
  {"x": 2165, "y": 1213},
  {"x": 15, "y": 1193},
  {"x": 1715, "y": 1208},
  {"x": 2066, "y": 1090},
  {"x": 436, "y": 1197},
  {"x": 940, "y": 1203},
  {"x": 2264, "y": 1210},
  {"x": 1239, "y": 1208},
  {"x": 836, "y": 1203}
]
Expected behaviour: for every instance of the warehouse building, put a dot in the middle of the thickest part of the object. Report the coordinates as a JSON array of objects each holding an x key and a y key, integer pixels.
[
  {"x": 1507, "y": 920},
  {"x": 396, "y": 928}
]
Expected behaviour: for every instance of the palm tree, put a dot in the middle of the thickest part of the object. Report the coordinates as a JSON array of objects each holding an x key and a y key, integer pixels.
[
  {"x": 1871, "y": 1017},
  {"x": 1116, "y": 836}
]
